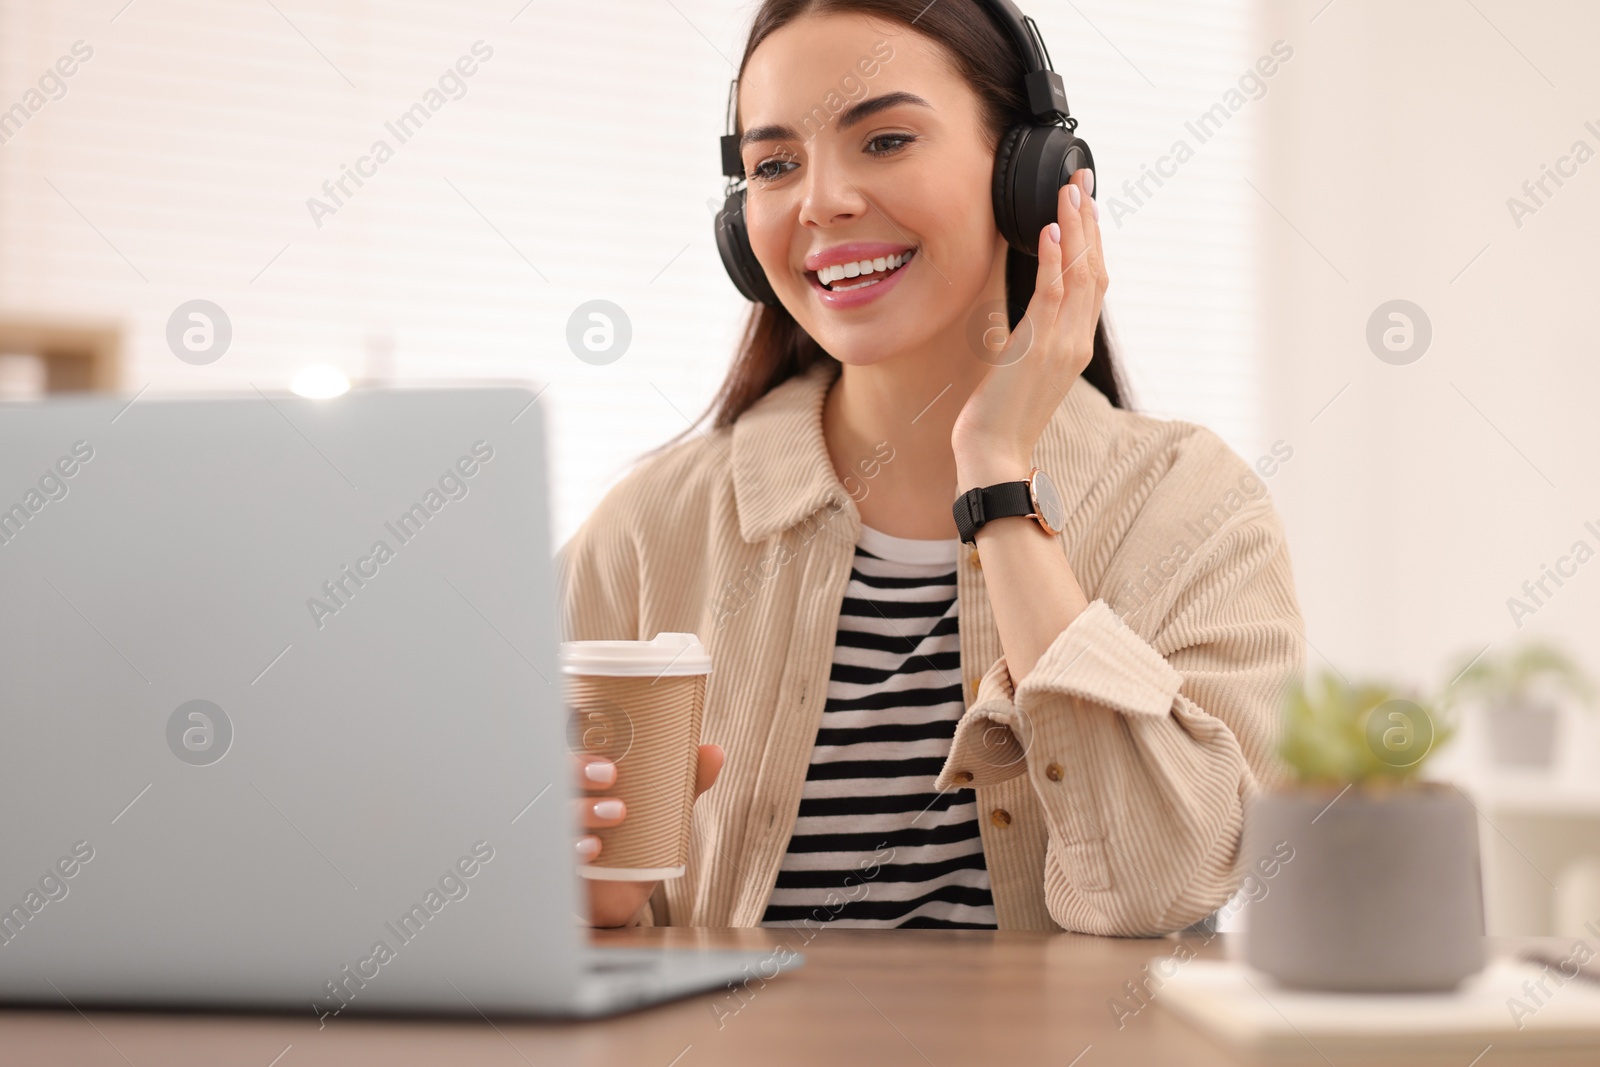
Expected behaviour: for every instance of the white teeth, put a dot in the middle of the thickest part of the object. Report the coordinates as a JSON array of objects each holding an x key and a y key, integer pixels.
[
  {"x": 829, "y": 275},
  {"x": 857, "y": 285}
]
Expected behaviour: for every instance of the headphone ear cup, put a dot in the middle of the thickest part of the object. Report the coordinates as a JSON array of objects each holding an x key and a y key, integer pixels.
[
  {"x": 1030, "y": 167},
  {"x": 733, "y": 245},
  {"x": 1005, "y": 218}
]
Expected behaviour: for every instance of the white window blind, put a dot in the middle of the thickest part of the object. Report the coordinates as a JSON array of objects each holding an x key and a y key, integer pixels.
[{"x": 575, "y": 162}]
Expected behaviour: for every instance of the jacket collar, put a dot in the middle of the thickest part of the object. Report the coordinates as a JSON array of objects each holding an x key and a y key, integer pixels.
[
  {"x": 781, "y": 468},
  {"x": 782, "y": 472}
]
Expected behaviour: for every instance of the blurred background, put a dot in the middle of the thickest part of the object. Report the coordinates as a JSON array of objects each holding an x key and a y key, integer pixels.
[{"x": 1377, "y": 259}]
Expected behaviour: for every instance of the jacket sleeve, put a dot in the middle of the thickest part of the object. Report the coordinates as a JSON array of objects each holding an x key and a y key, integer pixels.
[
  {"x": 597, "y": 572},
  {"x": 598, "y": 576},
  {"x": 1144, "y": 752}
]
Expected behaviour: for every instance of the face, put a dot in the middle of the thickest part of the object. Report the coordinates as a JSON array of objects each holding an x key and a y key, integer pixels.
[{"x": 836, "y": 186}]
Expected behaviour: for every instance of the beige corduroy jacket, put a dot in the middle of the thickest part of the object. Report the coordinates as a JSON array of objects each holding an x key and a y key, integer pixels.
[{"x": 1110, "y": 787}]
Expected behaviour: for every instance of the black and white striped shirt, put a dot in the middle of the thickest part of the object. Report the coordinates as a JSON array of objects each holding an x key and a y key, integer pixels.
[{"x": 874, "y": 843}]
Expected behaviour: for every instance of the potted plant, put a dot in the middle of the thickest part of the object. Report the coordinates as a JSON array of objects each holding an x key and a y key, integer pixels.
[
  {"x": 1378, "y": 887},
  {"x": 1519, "y": 692}
]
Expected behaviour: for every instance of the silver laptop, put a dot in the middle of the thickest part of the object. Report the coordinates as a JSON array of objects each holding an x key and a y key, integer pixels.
[{"x": 282, "y": 723}]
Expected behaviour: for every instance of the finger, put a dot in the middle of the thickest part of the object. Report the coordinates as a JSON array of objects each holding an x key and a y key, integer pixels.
[
  {"x": 711, "y": 759},
  {"x": 595, "y": 772},
  {"x": 599, "y": 813},
  {"x": 1050, "y": 290},
  {"x": 1074, "y": 239},
  {"x": 1087, "y": 282},
  {"x": 588, "y": 848},
  {"x": 1049, "y": 269},
  {"x": 1091, "y": 228}
]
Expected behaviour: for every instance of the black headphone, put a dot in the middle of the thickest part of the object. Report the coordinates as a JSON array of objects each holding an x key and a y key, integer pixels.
[{"x": 1034, "y": 160}]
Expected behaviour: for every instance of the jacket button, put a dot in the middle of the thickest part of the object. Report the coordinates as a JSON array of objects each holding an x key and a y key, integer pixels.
[
  {"x": 1053, "y": 772},
  {"x": 963, "y": 777},
  {"x": 1000, "y": 817}
]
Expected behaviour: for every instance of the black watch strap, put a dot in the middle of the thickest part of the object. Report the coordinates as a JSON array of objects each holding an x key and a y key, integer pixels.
[{"x": 977, "y": 506}]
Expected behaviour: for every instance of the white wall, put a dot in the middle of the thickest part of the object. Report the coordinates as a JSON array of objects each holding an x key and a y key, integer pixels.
[{"x": 1424, "y": 496}]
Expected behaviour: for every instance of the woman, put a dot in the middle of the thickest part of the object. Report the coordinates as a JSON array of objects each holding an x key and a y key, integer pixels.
[{"x": 1039, "y": 730}]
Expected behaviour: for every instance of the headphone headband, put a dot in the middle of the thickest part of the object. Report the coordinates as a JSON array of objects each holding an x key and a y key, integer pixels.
[
  {"x": 1046, "y": 93},
  {"x": 732, "y": 162}
]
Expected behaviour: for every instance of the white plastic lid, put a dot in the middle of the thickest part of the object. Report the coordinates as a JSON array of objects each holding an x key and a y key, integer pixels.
[{"x": 668, "y": 654}]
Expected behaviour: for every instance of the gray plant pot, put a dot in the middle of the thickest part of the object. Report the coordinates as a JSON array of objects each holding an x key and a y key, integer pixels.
[
  {"x": 1523, "y": 734},
  {"x": 1382, "y": 892}
]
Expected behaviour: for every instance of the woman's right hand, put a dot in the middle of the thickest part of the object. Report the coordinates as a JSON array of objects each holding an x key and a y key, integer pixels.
[{"x": 616, "y": 903}]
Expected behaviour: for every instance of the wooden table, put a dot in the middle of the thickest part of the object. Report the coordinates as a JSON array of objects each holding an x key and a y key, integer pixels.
[{"x": 875, "y": 997}]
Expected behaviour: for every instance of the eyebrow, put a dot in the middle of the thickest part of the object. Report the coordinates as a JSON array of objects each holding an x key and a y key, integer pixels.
[{"x": 851, "y": 115}]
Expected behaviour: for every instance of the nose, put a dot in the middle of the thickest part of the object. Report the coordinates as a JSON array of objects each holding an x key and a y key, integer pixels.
[{"x": 829, "y": 196}]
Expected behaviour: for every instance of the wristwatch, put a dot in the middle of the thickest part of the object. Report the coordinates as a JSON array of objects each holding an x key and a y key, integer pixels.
[{"x": 1037, "y": 498}]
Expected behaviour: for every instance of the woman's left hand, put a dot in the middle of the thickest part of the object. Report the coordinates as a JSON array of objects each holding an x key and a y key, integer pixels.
[{"x": 1002, "y": 420}]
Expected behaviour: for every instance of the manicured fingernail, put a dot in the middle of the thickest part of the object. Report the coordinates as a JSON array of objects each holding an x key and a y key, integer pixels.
[
  {"x": 1088, "y": 182},
  {"x": 600, "y": 772},
  {"x": 588, "y": 847},
  {"x": 608, "y": 809},
  {"x": 1094, "y": 206},
  {"x": 1073, "y": 195},
  {"x": 1055, "y": 232}
]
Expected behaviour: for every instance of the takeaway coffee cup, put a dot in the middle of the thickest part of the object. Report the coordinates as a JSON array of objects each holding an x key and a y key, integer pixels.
[{"x": 639, "y": 704}]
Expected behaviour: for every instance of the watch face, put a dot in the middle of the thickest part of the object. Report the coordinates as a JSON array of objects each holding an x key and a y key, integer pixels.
[{"x": 1047, "y": 502}]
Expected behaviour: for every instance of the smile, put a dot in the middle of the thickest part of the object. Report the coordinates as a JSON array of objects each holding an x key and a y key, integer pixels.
[
  {"x": 870, "y": 271},
  {"x": 853, "y": 283}
]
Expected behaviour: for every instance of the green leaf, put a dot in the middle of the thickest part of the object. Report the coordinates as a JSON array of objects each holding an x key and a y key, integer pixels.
[{"x": 1335, "y": 731}]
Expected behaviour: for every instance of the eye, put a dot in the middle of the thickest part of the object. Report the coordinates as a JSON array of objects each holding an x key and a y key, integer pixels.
[
  {"x": 763, "y": 172},
  {"x": 897, "y": 140}
]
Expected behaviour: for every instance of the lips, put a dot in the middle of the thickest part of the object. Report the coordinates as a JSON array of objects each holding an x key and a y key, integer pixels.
[
  {"x": 853, "y": 252},
  {"x": 872, "y": 290},
  {"x": 849, "y": 284}
]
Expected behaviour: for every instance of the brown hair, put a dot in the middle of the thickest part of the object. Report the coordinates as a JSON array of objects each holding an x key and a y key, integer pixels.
[{"x": 775, "y": 348}]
